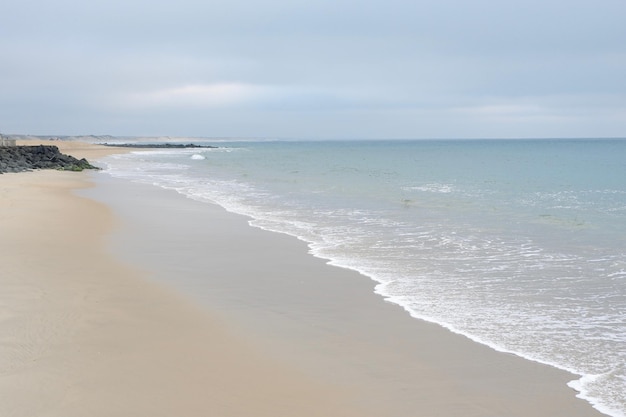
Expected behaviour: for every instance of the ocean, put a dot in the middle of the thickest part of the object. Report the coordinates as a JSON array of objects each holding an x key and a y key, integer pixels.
[{"x": 517, "y": 244}]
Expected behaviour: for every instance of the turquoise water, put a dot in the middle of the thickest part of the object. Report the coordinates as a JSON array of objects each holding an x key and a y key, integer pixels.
[{"x": 520, "y": 245}]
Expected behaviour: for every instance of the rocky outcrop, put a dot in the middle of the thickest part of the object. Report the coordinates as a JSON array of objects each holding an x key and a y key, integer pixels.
[
  {"x": 27, "y": 158},
  {"x": 157, "y": 145}
]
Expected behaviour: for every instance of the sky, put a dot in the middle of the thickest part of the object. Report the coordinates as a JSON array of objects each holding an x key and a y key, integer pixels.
[{"x": 315, "y": 69}]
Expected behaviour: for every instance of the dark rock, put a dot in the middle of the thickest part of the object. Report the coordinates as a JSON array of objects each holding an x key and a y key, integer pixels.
[
  {"x": 157, "y": 145},
  {"x": 27, "y": 158}
]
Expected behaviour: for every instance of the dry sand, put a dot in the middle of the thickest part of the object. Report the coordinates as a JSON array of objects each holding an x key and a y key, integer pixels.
[{"x": 198, "y": 314}]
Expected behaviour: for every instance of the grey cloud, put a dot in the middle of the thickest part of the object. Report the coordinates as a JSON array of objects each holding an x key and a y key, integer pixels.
[{"x": 339, "y": 68}]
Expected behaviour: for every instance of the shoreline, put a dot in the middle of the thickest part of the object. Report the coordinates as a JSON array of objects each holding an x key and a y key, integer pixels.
[{"x": 295, "y": 313}]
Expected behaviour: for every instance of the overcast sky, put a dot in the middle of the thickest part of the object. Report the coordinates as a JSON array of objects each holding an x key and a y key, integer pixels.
[{"x": 314, "y": 68}]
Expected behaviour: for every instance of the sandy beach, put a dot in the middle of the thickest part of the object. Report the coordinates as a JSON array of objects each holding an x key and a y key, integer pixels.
[{"x": 122, "y": 299}]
